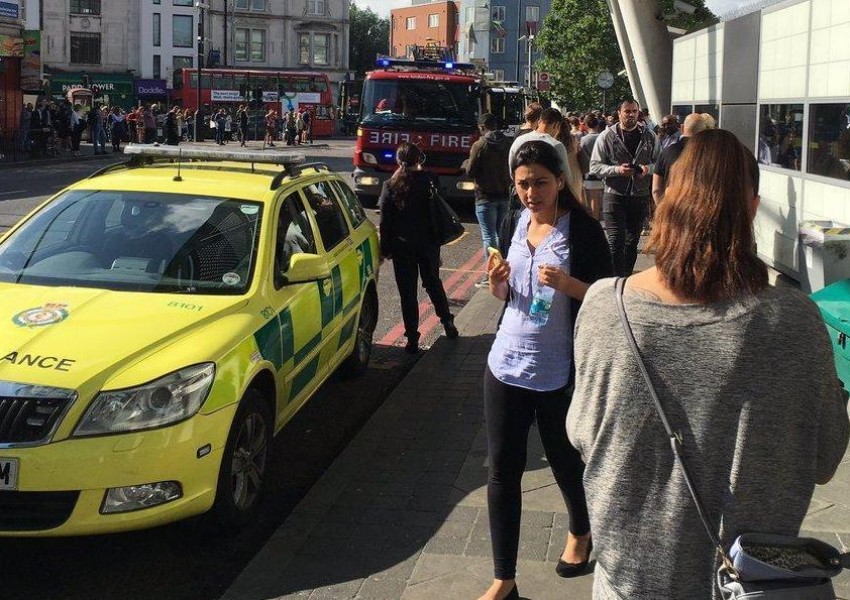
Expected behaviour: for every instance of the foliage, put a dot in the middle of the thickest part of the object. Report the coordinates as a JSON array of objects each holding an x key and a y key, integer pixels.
[
  {"x": 369, "y": 37},
  {"x": 578, "y": 42}
]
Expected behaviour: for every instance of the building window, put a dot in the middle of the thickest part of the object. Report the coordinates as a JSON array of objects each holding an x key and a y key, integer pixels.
[
  {"x": 157, "y": 66},
  {"x": 434, "y": 20},
  {"x": 532, "y": 14},
  {"x": 85, "y": 7},
  {"x": 321, "y": 49},
  {"x": 250, "y": 44},
  {"x": 470, "y": 14},
  {"x": 157, "y": 1},
  {"x": 258, "y": 45},
  {"x": 183, "y": 3},
  {"x": 316, "y": 7},
  {"x": 498, "y": 13},
  {"x": 157, "y": 29},
  {"x": 498, "y": 74},
  {"x": 411, "y": 22},
  {"x": 85, "y": 48},
  {"x": 780, "y": 135},
  {"x": 181, "y": 31},
  {"x": 829, "y": 140},
  {"x": 497, "y": 45},
  {"x": 304, "y": 48}
]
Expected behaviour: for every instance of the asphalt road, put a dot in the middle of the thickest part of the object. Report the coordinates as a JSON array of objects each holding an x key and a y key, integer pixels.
[{"x": 191, "y": 560}]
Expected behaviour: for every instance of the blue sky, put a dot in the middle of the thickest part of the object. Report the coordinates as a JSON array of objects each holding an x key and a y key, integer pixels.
[{"x": 383, "y": 7}]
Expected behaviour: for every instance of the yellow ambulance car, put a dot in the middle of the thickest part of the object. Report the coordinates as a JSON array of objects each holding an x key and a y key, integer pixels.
[{"x": 159, "y": 322}]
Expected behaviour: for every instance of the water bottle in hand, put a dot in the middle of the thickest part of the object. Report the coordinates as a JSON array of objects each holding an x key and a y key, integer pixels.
[{"x": 541, "y": 303}]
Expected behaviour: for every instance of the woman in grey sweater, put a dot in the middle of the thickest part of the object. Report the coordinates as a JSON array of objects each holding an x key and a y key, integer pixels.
[{"x": 743, "y": 370}]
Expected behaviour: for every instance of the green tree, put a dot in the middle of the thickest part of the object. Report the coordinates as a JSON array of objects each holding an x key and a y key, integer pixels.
[
  {"x": 578, "y": 42},
  {"x": 369, "y": 37}
]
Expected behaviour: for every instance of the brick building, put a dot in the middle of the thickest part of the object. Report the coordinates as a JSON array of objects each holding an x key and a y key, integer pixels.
[{"x": 431, "y": 26}]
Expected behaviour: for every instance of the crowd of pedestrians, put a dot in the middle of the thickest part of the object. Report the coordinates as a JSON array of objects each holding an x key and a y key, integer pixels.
[
  {"x": 51, "y": 127},
  {"x": 562, "y": 208}
]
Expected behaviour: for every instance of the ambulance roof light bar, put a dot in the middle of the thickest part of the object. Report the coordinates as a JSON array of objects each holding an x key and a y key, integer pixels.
[
  {"x": 385, "y": 62},
  {"x": 275, "y": 158}
]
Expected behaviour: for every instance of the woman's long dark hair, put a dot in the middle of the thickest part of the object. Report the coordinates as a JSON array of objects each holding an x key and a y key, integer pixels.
[
  {"x": 402, "y": 183},
  {"x": 702, "y": 233},
  {"x": 542, "y": 153}
]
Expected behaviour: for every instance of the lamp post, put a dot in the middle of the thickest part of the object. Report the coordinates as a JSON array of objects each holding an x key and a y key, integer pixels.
[
  {"x": 199, "y": 121},
  {"x": 224, "y": 59},
  {"x": 529, "y": 40}
]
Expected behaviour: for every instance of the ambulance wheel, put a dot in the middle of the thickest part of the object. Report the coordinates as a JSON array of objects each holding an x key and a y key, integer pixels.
[
  {"x": 358, "y": 361},
  {"x": 241, "y": 479}
]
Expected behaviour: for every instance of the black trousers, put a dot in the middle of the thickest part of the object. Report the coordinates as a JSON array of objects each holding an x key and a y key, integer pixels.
[
  {"x": 408, "y": 266},
  {"x": 624, "y": 218},
  {"x": 509, "y": 412}
]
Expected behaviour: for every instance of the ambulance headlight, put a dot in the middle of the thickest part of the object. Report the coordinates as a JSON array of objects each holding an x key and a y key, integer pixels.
[{"x": 164, "y": 401}]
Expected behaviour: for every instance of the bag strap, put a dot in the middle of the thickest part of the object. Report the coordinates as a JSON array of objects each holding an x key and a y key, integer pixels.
[{"x": 674, "y": 437}]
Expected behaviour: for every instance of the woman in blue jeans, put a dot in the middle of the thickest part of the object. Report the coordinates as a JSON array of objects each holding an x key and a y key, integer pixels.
[{"x": 557, "y": 250}]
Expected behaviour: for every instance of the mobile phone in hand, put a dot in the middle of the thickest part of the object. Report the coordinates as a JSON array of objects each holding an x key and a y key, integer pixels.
[{"x": 495, "y": 253}]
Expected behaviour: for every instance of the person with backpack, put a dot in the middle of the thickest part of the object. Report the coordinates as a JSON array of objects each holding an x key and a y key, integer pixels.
[{"x": 488, "y": 168}]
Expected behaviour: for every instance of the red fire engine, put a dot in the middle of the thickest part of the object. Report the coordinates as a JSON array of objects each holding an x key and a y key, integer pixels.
[{"x": 434, "y": 105}]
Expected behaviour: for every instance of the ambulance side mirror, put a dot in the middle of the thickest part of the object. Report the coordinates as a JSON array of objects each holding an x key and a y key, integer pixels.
[{"x": 305, "y": 267}]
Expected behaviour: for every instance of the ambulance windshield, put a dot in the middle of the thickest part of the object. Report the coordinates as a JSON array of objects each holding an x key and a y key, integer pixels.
[{"x": 420, "y": 103}]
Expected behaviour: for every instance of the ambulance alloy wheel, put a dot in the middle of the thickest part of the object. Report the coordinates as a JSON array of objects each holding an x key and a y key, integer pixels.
[
  {"x": 358, "y": 361},
  {"x": 241, "y": 478}
]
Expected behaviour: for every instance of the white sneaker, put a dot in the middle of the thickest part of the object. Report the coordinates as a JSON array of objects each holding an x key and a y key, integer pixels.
[{"x": 483, "y": 283}]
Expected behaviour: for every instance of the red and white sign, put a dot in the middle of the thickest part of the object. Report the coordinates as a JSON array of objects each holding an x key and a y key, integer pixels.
[
  {"x": 543, "y": 81},
  {"x": 425, "y": 140}
]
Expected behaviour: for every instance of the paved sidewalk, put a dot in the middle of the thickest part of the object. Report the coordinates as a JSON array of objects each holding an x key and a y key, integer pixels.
[{"x": 401, "y": 514}]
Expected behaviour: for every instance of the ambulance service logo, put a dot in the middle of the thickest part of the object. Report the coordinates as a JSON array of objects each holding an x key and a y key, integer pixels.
[{"x": 40, "y": 316}]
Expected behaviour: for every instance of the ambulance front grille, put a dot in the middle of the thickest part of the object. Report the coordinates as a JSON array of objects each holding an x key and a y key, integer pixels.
[{"x": 29, "y": 420}]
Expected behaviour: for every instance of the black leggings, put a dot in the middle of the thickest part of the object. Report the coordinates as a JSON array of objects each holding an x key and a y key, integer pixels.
[
  {"x": 509, "y": 412},
  {"x": 408, "y": 266}
]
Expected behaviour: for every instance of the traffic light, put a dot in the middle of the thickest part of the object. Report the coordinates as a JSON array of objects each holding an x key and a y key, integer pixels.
[
  {"x": 244, "y": 91},
  {"x": 258, "y": 95},
  {"x": 86, "y": 81}
]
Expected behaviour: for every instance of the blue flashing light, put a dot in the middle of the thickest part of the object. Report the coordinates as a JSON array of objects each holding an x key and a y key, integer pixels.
[
  {"x": 389, "y": 154},
  {"x": 384, "y": 62},
  {"x": 450, "y": 65}
]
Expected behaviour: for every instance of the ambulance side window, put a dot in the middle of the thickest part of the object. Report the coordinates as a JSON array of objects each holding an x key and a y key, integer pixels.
[
  {"x": 352, "y": 204},
  {"x": 294, "y": 234},
  {"x": 329, "y": 216}
]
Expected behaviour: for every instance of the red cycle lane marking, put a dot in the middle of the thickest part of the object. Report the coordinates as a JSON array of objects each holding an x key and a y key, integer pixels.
[{"x": 393, "y": 335}]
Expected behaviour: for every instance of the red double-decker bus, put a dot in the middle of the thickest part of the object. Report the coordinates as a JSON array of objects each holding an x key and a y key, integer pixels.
[{"x": 281, "y": 90}]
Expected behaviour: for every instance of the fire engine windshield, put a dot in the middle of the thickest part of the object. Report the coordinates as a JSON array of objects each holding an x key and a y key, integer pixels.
[{"x": 419, "y": 103}]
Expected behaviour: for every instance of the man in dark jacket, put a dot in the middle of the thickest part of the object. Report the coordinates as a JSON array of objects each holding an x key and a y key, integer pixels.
[
  {"x": 624, "y": 158},
  {"x": 488, "y": 168}
]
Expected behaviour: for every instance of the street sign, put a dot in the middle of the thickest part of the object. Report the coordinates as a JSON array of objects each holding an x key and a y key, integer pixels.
[
  {"x": 543, "y": 82},
  {"x": 605, "y": 80}
]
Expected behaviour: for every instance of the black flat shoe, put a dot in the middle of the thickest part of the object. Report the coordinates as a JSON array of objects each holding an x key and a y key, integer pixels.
[
  {"x": 567, "y": 570},
  {"x": 514, "y": 595}
]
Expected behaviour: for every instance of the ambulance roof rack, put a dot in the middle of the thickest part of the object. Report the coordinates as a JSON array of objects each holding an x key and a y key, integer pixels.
[{"x": 386, "y": 62}]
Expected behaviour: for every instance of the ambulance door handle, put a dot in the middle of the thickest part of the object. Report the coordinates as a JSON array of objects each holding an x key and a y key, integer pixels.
[{"x": 842, "y": 340}]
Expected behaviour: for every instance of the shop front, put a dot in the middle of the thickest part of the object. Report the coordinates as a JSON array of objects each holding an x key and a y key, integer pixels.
[
  {"x": 149, "y": 91},
  {"x": 111, "y": 89},
  {"x": 11, "y": 97}
]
